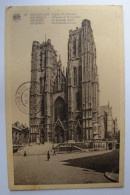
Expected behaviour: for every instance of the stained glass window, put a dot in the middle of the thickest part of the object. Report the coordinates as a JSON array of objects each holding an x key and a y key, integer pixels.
[{"x": 60, "y": 109}]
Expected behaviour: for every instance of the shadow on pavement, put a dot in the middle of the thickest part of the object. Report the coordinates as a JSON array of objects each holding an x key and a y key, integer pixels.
[{"x": 108, "y": 162}]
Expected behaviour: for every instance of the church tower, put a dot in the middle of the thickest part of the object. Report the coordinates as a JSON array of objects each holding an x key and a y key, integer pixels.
[
  {"x": 35, "y": 93},
  {"x": 83, "y": 84},
  {"x": 43, "y": 70}
]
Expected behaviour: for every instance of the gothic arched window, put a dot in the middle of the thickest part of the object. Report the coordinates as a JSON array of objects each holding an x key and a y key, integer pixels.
[
  {"x": 74, "y": 47},
  {"x": 40, "y": 85},
  {"x": 78, "y": 100},
  {"x": 75, "y": 75},
  {"x": 80, "y": 74},
  {"x": 59, "y": 108},
  {"x": 79, "y": 45}
]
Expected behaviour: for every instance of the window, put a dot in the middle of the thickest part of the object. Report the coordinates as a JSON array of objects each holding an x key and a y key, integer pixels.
[
  {"x": 40, "y": 85},
  {"x": 79, "y": 45},
  {"x": 60, "y": 109},
  {"x": 75, "y": 76},
  {"x": 78, "y": 100},
  {"x": 80, "y": 74},
  {"x": 74, "y": 47}
]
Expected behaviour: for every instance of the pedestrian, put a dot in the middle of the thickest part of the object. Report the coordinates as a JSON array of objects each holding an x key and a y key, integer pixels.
[
  {"x": 48, "y": 155},
  {"x": 25, "y": 154},
  {"x": 54, "y": 152}
]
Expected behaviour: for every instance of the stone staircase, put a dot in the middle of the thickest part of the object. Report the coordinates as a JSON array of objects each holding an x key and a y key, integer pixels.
[
  {"x": 66, "y": 147},
  {"x": 42, "y": 149},
  {"x": 36, "y": 149}
]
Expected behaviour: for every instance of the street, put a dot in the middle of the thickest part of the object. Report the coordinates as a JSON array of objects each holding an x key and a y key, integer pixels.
[{"x": 35, "y": 169}]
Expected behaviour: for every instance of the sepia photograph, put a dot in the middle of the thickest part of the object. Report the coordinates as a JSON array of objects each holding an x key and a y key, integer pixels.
[{"x": 64, "y": 75}]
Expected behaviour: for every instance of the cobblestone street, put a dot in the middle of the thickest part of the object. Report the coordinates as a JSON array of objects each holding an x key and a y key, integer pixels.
[{"x": 35, "y": 169}]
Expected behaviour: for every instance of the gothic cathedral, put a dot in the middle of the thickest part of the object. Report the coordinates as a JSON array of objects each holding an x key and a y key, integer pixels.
[{"x": 64, "y": 105}]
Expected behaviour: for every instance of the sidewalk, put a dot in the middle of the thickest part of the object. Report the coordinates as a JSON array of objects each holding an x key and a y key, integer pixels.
[{"x": 112, "y": 176}]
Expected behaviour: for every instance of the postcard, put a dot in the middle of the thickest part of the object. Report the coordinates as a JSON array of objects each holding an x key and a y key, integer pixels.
[{"x": 65, "y": 96}]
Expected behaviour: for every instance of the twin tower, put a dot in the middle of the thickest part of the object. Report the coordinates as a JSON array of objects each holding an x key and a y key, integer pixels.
[{"x": 64, "y": 105}]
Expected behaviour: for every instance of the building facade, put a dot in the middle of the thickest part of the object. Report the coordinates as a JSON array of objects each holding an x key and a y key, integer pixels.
[
  {"x": 20, "y": 134},
  {"x": 108, "y": 125},
  {"x": 64, "y": 105}
]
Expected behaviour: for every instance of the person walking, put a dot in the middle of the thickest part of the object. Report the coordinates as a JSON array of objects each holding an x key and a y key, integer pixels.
[
  {"x": 54, "y": 152},
  {"x": 48, "y": 155},
  {"x": 25, "y": 154}
]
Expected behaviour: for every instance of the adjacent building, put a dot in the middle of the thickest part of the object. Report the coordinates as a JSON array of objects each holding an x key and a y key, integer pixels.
[
  {"x": 20, "y": 134},
  {"x": 108, "y": 125}
]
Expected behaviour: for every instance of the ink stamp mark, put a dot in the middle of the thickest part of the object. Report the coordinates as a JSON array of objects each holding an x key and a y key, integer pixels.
[{"x": 28, "y": 98}]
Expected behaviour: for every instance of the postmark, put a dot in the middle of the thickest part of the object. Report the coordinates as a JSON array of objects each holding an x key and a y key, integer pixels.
[{"x": 28, "y": 98}]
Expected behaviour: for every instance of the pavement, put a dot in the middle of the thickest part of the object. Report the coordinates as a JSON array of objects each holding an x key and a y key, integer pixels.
[
  {"x": 36, "y": 170},
  {"x": 112, "y": 176}
]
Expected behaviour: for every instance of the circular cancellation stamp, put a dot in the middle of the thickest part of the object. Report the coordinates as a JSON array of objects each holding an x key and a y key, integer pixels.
[{"x": 28, "y": 97}]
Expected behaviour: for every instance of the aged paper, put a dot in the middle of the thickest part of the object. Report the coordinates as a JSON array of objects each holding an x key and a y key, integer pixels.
[{"x": 64, "y": 79}]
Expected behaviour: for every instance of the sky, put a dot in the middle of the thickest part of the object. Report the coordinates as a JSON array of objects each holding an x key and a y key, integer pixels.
[{"x": 106, "y": 23}]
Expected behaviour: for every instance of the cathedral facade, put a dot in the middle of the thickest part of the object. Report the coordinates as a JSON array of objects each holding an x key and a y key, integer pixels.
[{"x": 64, "y": 105}]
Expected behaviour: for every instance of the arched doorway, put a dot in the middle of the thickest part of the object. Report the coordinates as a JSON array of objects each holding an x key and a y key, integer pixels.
[
  {"x": 110, "y": 146},
  {"x": 58, "y": 134},
  {"x": 59, "y": 109},
  {"x": 78, "y": 134}
]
